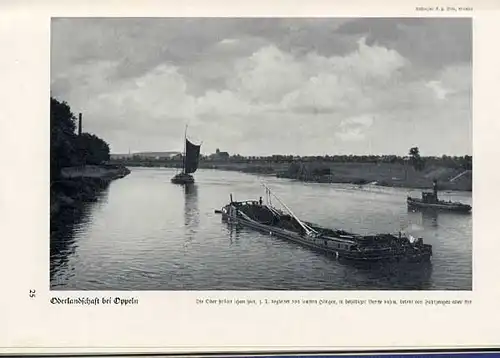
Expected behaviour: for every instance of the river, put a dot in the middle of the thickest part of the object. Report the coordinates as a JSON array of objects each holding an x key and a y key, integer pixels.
[{"x": 145, "y": 233}]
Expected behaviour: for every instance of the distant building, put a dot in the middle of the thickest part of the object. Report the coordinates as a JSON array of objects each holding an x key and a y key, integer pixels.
[
  {"x": 218, "y": 155},
  {"x": 120, "y": 156},
  {"x": 157, "y": 155}
]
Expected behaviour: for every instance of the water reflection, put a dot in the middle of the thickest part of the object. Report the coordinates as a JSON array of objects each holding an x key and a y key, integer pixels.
[
  {"x": 405, "y": 276},
  {"x": 63, "y": 228},
  {"x": 234, "y": 232},
  {"x": 191, "y": 210},
  {"x": 430, "y": 218},
  {"x": 427, "y": 218}
]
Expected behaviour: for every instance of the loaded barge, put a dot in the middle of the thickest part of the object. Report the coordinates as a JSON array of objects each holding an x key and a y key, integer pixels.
[{"x": 286, "y": 225}]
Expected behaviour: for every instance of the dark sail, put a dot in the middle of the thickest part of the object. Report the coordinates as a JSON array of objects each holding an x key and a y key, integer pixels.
[{"x": 192, "y": 157}]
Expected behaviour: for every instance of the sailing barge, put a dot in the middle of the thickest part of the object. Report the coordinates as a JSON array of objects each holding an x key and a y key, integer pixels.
[
  {"x": 190, "y": 160},
  {"x": 342, "y": 244},
  {"x": 430, "y": 200}
]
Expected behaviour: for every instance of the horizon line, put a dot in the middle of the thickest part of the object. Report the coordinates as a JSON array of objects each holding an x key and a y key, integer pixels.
[{"x": 301, "y": 155}]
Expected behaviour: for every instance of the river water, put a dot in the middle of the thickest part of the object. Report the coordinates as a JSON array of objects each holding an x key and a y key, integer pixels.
[{"x": 145, "y": 233}]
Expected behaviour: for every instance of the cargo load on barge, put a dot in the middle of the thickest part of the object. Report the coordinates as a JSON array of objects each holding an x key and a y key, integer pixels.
[{"x": 266, "y": 218}]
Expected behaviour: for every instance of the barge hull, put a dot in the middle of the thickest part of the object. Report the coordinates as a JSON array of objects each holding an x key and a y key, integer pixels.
[{"x": 339, "y": 254}]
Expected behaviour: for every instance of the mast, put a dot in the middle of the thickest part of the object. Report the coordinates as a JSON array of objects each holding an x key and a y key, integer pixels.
[
  {"x": 304, "y": 226},
  {"x": 184, "y": 155}
]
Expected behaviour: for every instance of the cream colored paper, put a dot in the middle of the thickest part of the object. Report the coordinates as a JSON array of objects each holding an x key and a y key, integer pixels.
[{"x": 172, "y": 321}]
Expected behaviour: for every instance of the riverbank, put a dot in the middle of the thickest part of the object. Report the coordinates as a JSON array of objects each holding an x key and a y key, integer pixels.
[
  {"x": 78, "y": 185},
  {"x": 381, "y": 174}
]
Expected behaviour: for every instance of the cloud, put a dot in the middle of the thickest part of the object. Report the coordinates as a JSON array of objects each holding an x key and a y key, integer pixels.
[
  {"x": 341, "y": 83},
  {"x": 427, "y": 41},
  {"x": 267, "y": 75},
  {"x": 353, "y": 129},
  {"x": 229, "y": 42},
  {"x": 438, "y": 89},
  {"x": 279, "y": 88}
]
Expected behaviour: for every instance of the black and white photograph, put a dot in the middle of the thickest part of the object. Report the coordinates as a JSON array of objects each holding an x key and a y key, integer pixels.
[{"x": 225, "y": 153}]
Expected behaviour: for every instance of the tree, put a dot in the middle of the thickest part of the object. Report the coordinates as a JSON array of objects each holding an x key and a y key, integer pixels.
[
  {"x": 62, "y": 136},
  {"x": 66, "y": 147},
  {"x": 414, "y": 152},
  {"x": 467, "y": 162},
  {"x": 92, "y": 149},
  {"x": 416, "y": 159}
]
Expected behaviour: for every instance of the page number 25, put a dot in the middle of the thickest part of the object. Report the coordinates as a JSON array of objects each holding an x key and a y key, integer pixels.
[{"x": 32, "y": 293}]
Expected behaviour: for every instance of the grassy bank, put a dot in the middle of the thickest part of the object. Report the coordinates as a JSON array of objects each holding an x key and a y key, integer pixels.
[
  {"x": 382, "y": 174},
  {"x": 77, "y": 185}
]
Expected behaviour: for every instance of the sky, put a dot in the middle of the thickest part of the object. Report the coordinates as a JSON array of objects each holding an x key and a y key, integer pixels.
[{"x": 263, "y": 86}]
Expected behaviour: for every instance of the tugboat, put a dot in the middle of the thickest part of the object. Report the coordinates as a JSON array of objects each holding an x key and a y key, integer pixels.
[
  {"x": 190, "y": 161},
  {"x": 430, "y": 200},
  {"x": 339, "y": 243}
]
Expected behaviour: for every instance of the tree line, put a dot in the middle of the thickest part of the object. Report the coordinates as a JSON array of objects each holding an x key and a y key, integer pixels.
[
  {"x": 67, "y": 148},
  {"x": 413, "y": 159}
]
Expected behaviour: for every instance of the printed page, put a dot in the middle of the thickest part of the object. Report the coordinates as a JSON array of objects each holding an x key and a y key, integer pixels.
[{"x": 232, "y": 177}]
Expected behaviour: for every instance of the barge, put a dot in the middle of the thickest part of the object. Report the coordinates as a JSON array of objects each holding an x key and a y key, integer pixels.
[{"x": 286, "y": 225}]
